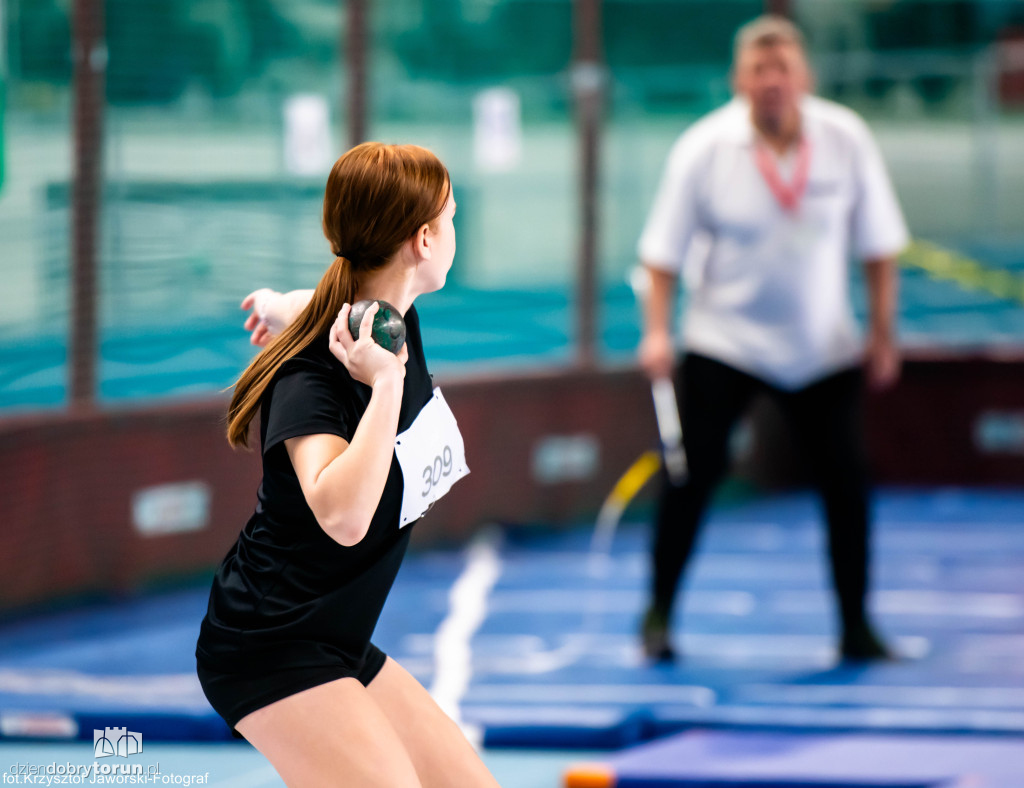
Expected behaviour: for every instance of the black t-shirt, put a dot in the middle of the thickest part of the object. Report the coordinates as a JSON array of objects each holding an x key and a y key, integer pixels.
[{"x": 287, "y": 595}]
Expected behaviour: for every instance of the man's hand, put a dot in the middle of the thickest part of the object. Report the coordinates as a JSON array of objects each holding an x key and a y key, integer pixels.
[
  {"x": 657, "y": 354},
  {"x": 882, "y": 361}
]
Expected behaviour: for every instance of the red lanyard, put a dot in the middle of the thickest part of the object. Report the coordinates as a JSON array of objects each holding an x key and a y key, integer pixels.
[{"x": 788, "y": 195}]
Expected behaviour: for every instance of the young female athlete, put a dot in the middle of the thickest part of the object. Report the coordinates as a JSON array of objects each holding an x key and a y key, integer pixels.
[{"x": 284, "y": 652}]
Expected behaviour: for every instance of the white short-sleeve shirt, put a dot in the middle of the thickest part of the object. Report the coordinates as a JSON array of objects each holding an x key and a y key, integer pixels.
[{"x": 769, "y": 288}]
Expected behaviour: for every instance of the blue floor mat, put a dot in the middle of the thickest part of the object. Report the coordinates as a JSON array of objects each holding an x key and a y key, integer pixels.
[
  {"x": 555, "y": 661},
  {"x": 716, "y": 759}
]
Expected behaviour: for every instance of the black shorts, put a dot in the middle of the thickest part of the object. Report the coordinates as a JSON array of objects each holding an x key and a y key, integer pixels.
[{"x": 235, "y": 695}]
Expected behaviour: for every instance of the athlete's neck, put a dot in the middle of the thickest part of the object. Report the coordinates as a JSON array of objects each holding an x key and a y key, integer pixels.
[{"x": 392, "y": 283}]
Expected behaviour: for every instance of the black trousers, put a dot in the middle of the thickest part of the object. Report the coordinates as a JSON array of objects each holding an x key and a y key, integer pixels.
[{"x": 826, "y": 422}]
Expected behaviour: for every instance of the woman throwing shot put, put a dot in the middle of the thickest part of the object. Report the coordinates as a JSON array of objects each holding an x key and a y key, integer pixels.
[{"x": 347, "y": 430}]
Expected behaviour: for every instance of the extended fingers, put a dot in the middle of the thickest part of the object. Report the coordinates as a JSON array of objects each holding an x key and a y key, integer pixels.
[
  {"x": 260, "y": 335},
  {"x": 252, "y": 301}
]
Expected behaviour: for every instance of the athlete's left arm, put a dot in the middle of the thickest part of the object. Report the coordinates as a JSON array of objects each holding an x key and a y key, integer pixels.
[{"x": 882, "y": 354}]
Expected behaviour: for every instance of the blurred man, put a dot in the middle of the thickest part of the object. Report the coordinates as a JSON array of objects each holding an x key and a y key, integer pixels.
[{"x": 762, "y": 204}]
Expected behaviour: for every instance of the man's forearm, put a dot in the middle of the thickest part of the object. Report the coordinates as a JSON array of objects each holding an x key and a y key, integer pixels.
[
  {"x": 883, "y": 291},
  {"x": 660, "y": 301}
]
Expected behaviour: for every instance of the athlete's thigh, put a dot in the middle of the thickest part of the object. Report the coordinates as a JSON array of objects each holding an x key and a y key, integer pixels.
[
  {"x": 441, "y": 753},
  {"x": 334, "y": 734}
]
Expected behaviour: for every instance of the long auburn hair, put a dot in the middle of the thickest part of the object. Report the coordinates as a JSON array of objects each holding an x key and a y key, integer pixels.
[{"x": 377, "y": 197}]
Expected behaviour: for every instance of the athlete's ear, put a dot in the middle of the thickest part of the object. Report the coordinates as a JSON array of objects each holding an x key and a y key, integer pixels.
[{"x": 421, "y": 243}]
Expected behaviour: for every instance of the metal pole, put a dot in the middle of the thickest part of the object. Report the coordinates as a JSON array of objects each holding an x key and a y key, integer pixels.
[
  {"x": 355, "y": 59},
  {"x": 588, "y": 77},
  {"x": 89, "y": 55},
  {"x": 985, "y": 134}
]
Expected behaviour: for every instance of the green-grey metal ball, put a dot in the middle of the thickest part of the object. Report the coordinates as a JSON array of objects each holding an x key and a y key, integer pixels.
[{"x": 388, "y": 326}]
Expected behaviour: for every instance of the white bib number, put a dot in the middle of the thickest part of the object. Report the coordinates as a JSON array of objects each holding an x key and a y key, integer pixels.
[{"x": 432, "y": 456}]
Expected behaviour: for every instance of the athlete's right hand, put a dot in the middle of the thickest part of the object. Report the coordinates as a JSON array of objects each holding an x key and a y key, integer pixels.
[
  {"x": 656, "y": 354},
  {"x": 365, "y": 360}
]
